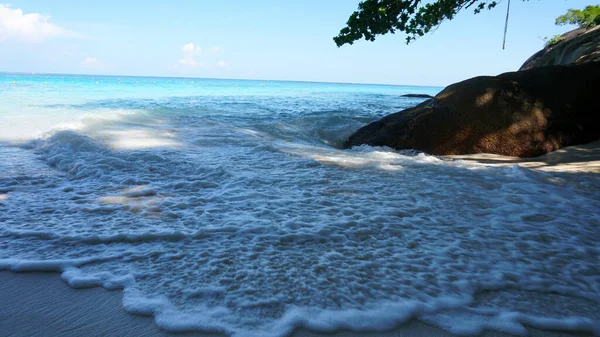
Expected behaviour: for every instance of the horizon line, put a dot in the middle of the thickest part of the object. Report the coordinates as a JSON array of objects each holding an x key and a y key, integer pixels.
[{"x": 216, "y": 78}]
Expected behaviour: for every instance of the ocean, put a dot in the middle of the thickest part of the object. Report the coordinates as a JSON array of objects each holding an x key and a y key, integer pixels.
[{"x": 230, "y": 205}]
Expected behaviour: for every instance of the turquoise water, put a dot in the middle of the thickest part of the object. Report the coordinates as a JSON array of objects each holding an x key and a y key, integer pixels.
[
  {"x": 63, "y": 98},
  {"x": 229, "y": 205}
]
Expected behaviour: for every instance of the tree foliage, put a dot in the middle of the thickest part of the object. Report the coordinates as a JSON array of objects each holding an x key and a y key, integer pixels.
[
  {"x": 379, "y": 17},
  {"x": 586, "y": 18}
]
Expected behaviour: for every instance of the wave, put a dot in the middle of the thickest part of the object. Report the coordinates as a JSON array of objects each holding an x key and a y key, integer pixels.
[{"x": 243, "y": 215}]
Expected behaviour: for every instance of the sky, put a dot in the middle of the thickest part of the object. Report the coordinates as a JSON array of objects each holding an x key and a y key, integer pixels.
[{"x": 263, "y": 39}]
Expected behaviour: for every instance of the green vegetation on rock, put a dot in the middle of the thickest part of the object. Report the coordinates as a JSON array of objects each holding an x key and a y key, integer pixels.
[
  {"x": 551, "y": 41},
  {"x": 587, "y": 18}
]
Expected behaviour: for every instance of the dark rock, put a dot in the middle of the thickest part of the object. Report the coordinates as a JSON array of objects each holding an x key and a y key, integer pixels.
[
  {"x": 416, "y": 96},
  {"x": 523, "y": 114},
  {"x": 579, "y": 46}
]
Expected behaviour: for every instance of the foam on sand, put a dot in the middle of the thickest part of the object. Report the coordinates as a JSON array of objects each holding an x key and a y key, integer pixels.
[
  {"x": 53, "y": 309},
  {"x": 237, "y": 213}
]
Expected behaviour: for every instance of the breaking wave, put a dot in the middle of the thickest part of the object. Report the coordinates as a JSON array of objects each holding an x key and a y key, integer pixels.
[{"x": 243, "y": 215}]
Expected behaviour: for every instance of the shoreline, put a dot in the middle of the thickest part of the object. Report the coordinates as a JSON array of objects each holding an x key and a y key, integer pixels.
[
  {"x": 573, "y": 159},
  {"x": 42, "y": 304}
]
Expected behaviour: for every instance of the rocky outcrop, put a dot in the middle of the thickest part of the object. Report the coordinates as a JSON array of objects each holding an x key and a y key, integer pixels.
[
  {"x": 416, "y": 96},
  {"x": 523, "y": 114},
  {"x": 579, "y": 46}
]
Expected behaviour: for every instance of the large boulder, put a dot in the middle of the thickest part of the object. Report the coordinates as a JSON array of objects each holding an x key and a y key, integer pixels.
[
  {"x": 523, "y": 114},
  {"x": 578, "y": 46}
]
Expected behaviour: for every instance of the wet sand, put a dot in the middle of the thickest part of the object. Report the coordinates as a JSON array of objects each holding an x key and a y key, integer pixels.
[
  {"x": 41, "y": 304},
  {"x": 574, "y": 159}
]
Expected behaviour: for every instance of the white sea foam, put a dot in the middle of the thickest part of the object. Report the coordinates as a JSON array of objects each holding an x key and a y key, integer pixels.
[{"x": 252, "y": 224}]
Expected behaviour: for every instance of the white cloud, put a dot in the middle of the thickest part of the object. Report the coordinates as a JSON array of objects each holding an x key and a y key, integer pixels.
[
  {"x": 190, "y": 48},
  {"x": 191, "y": 58},
  {"x": 32, "y": 27},
  {"x": 189, "y": 52},
  {"x": 223, "y": 65},
  {"x": 197, "y": 60},
  {"x": 92, "y": 63}
]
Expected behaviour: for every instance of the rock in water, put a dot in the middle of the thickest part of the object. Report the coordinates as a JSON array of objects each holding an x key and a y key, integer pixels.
[
  {"x": 416, "y": 96},
  {"x": 523, "y": 114},
  {"x": 579, "y": 46}
]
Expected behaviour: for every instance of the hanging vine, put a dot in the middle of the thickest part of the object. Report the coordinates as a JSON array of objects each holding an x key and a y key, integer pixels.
[{"x": 506, "y": 25}]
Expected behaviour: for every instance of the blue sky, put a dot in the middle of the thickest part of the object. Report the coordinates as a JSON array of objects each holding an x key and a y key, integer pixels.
[{"x": 262, "y": 39}]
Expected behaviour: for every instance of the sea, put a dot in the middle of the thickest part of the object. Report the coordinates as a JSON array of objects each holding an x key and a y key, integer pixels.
[{"x": 231, "y": 206}]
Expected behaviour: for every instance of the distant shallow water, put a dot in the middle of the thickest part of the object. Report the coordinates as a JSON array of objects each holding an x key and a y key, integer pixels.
[{"x": 227, "y": 205}]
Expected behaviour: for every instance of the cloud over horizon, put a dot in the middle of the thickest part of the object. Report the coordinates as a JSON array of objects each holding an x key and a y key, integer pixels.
[
  {"x": 93, "y": 63},
  {"x": 189, "y": 52},
  {"x": 31, "y": 27},
  {"x": 191, "y": 58},
  {"x": 222, "y": 64}
]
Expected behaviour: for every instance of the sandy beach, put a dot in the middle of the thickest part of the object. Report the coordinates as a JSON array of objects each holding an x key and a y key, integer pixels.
[
  {"x": 573, "y": 159},
  {"x": 41, "y": 304}
]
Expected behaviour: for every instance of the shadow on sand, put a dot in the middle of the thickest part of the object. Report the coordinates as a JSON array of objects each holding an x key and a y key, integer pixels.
[{"x": 572, "y": 159}]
